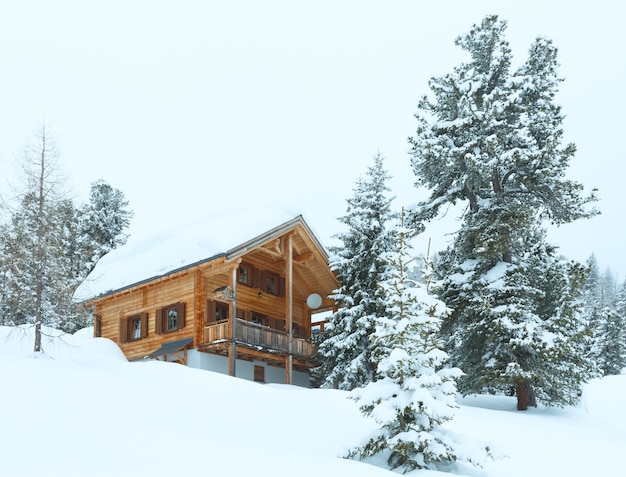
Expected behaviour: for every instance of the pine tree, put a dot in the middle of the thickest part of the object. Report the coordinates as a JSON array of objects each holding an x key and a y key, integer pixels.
[
  {"x": 414, "y": 393},
  {"x": 345, "y": 350},
  {"x": 102, "y": 223},
  {"x": 564, "y": 363},
  {"x": 36, "y": 237},
  {"x": 619, "y": 350},
  {"x": 608, "y": 348},
  {"x": 607, "y": 289},
  {"x": 609, "y": 345},
  {"x": 491, "y": 138},
  {"x": 48, "y": 246},
  {"x": 605, "y": 320},
  {"x": 592, "y": 293}
]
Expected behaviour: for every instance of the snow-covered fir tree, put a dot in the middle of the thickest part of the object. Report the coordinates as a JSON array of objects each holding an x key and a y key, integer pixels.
[
  {"x": 102, "y": 224},
  {"x": 345, "y": 350},
  {"x": 607, "y": 288},
  {"x": 605, "y": 318},
  {"x": 491, "y": 138},
  {"x": 414, "y": 392},
  {"x": 619, "y": 363},
  {"x": 591, "y": 293},
  {"x": 593, "y": 305},
  {"x": 609, "y": 342},
  {"x": 605, "y": 312},
  {"x": 48, "y": 245}
]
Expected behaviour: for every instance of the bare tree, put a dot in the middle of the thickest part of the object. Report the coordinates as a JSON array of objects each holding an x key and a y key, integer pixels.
[{"x": 35, "y": 234}]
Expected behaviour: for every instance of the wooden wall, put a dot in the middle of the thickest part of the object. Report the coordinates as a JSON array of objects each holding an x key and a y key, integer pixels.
[
  {"x": 148, "y": 299},
  {"x": 193, "y": 287}
]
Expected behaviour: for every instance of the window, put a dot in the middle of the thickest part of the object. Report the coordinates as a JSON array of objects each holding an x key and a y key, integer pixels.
[
  {"x": 248, "y": 275},
  {"x": 272, "y": 283},
  {"x": 244, "y": 275},
  {"x": 221, "y": 311},
  {"x": 170, "y": 318},
  {"x": 216, "y": 311},
  {"x": 134, "y": 327},
  {"x": 298, "y": 330},
  {"x": 259, "y": 319},
  {"x": 259, "y": 374}
]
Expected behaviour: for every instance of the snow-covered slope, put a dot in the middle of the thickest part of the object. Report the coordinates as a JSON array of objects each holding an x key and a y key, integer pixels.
[{"x": 81, "y": 409}]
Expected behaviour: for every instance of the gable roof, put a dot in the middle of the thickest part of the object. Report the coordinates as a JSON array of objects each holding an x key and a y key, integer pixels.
[{"x": 229, "y": 234}]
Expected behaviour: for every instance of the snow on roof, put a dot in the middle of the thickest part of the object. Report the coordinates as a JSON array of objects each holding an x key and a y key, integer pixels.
[{"x": 153, "y": 254}]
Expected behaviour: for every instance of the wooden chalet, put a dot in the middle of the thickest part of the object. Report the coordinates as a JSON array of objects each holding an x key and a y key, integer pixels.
[{"x": 246, "y": 311}]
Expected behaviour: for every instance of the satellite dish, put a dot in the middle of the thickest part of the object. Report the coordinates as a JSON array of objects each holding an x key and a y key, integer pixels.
[{"x": 314, "y": 301}]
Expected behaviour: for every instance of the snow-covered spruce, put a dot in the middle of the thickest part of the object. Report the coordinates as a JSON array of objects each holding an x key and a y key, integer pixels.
[
  {"x": 48, "y": 245},
  {"x": 414, "y": 392},
  {"x": 346, "y": 350},
  {"x": 491, "y": 138},
  {"x": 605, "y": 315}
]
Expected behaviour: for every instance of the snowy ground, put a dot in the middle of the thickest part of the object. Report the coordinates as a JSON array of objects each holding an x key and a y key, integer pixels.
[{"x": 82, "y": 410}]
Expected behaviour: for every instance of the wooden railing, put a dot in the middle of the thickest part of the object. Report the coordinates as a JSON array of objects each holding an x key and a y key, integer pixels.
[{"x": 257, "y": 335}]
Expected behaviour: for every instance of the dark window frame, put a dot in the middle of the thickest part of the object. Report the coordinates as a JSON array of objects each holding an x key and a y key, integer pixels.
[
  {"x": 259, "y": 318},
  {"x": 163, "y": 320},
  {"x": 244, "y": 274},
  {"x": 132, "y": 324},
  {"x": 248, "y": 275},
  {"x": 222, "y": 311},
  {"x": 272, "y": 283}
]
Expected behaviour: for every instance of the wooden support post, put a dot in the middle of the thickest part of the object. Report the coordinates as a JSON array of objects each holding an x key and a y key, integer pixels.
[
  {"x": 199, "y": 294},
  {"x": 289, "y": 310},
  {"x": 232, "y": 352}
]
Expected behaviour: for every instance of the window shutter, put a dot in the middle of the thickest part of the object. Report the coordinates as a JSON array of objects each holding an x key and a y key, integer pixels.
[
  {"x": 298, "y": 331},
  {"x": 241, "y": 314},
  {"x": 281, "y": 286},
  {"x": 158, "y": 322},
  {"x": 256, "y": 277},
  {"x": 123, "y": 330},
  {"x": 97, "y": 326},
  {"x": 144, "y": 325},
  {"x": 180, "y": 310},
  {"x": 209, "y": 313}
]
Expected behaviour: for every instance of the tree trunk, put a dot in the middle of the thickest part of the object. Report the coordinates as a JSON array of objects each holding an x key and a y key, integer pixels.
[
  {"x": 37, "y": 347},
  {"x": 525, "y": 394},
  {"x": 41, "y": 243},
  {"x": 507, "y": 256},
  {"x": 520, "y": 392}
]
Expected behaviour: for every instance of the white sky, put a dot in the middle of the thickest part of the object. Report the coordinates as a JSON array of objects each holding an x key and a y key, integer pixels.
[{"x": 192, "y": 107}]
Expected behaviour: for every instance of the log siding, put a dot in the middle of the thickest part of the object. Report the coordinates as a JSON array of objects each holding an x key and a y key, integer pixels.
[{"x": 272, "y": 279}]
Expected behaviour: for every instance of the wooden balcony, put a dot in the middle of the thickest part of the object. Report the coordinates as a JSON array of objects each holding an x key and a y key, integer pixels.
[{"x": 256, "y": 336}]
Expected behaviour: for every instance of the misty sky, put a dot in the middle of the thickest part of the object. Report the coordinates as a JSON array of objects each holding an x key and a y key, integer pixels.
[{"x": 192, "y": 107}]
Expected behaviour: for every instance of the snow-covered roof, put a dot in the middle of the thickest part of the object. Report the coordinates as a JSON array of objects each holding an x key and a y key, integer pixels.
[{"x": 151, "y": 255}]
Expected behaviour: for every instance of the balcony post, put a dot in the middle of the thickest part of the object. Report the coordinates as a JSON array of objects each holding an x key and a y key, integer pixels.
[
  {"x": 289, "y": 310},
  {"x": 232, "y": 354}
]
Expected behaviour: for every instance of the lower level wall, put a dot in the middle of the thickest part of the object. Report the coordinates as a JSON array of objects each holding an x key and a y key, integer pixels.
[{"x": 244, "y": 369}]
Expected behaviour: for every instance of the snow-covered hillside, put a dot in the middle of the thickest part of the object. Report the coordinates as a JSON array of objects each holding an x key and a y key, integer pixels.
[{"x": 81, "y": 409}]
